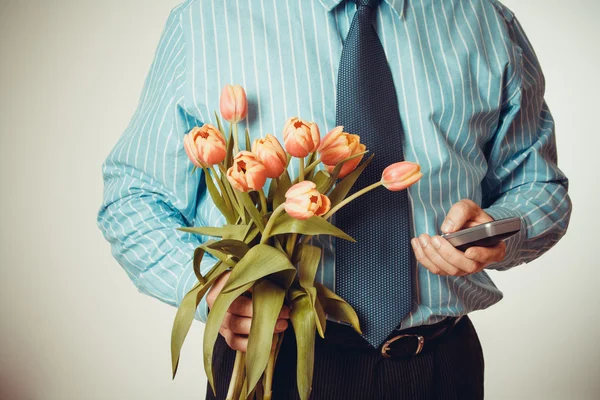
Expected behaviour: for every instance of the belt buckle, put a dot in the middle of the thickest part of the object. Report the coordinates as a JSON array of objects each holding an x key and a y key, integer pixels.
[{"x": 386, "y": 345}]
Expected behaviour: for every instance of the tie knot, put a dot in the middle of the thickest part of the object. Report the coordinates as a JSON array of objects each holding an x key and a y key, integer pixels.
[{"x": 369, "y": 3}]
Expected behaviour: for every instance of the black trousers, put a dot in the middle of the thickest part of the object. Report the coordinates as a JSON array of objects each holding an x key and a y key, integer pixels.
[{"x": 451, "y": 369}]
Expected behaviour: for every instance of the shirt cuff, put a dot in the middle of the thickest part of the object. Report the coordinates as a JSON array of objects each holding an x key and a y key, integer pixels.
[{"x": 513, "y": 243}]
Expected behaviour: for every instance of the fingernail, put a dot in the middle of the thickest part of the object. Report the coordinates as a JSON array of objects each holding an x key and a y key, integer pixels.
[
  {"x": 472, "y": 255},
  {"x": 436, "y": 242},
  {"x": 423, "y": 241},
  {"x": 447, "y": 226},
  {"x": 413, "y": 242},
  {"x": 280, "y": 324}
]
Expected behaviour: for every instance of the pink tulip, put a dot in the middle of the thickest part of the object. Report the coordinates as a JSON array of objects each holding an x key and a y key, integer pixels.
[
  {"x": 234, "y": 104},
  {"x": 247, "y": 172},
  {"x": 401, "y": 175},
  {"x": 303, "y": 200},
  {"x": 338, "y": 145},
  {"x": 271, "y": 154},
  {"x": 300, "y": 137},
  {"x": 205, "y": 146}
]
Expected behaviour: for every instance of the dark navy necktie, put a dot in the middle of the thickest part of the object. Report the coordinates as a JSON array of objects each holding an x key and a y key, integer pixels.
[{"x": 374, "y": 274}]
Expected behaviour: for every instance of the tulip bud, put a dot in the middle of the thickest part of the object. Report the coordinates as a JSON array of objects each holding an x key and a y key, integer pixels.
[
  {"x": 303, "y": 200},
  {"x": 300, "y": 137},
  {"x": 205, "y": 146},
  {"x": 271, "y": 154},
  {"x": 234, "y": 104},
  {"x": 401, "y": 175},
  {"x": 338, "y": 145},
  {"x": 247, "y": 172}
]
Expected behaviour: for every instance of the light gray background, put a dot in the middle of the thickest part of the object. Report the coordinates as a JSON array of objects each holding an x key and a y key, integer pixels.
[{"x": 73, "y": 327}]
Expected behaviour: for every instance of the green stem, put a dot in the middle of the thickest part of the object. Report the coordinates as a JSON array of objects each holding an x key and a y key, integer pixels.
[
  {"x": 270, "y": 370},
  {"x": 263, "y": 201},
  {"x": 291, "y": 243},
  {"x": 301, "y": 175},
  {"x": 236, "y": 140},
  {"x": 278, "y": 245},
  {"x": 230, "y": 191},
  {"x": 267, "y": 231},
  {"x": 312, "y": 166},
  {"x": 224, "y": 193},
  {"x": 235, "y": 375},
  {"x": 354, "y": 196}
]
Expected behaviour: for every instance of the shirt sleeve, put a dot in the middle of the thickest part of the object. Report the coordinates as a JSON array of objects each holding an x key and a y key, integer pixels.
[
  {"x": 523, "y": 178},
  {"x": 149, "y": 190}
]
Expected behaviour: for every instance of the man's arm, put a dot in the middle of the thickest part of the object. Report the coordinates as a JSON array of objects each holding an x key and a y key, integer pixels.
[
  {"x": 149, "y": 191},
  {"x": 523, "y": 178}
]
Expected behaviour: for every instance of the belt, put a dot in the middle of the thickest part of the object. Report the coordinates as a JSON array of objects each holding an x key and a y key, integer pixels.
[{"x": 400, "y": 344}]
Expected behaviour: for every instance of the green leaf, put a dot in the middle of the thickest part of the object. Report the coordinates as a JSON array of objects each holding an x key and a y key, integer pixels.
[
  {"x": 272, "y": 187},
  {"x": 252, "y": 210},
  {"x": 251, "y": 232},
  {"x": 235, "y": 248},
  {"x": 303, "y": 321},
  {"x": 336, "y": 307},
  {"x": 198, "y": 255},
  {"x": 229, "y": 156},
  {"x": 260, "y": 261},
  {"x": 248, "y": 142},
  {"x": 312, "y": 226},
  {"x": 320, "y": 317},
  {"x": 216, "y": 196},
  {"x": 342, "y": 189},
  {"x": 213, "y": 323},
  {"x": 219, "y": 123},
  {"x": 185, "y": 314},
  {"x": 321, "y": 180},
  {"x": 219, "y": 255},
  {"x": 307, "y": 258},
  {"x": 283, "y": 184},
  {"x": 267, "y": 300},
  {"x": 338, "y": 167},
  {"x": 236, "y": 232}
]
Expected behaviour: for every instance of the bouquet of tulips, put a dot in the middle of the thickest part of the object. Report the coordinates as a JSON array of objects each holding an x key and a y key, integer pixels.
[{"x": 266, "y": 241}]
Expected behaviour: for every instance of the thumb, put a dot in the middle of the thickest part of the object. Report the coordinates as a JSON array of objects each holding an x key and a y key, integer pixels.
[{"x": 459, "y": 214}]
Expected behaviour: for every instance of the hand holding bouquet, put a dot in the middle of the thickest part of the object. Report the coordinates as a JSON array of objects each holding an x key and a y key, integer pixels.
[{"x": 265, "y": 243}]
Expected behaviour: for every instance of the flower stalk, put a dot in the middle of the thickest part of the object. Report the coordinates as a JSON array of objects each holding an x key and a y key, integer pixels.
[{"x": 236, "y": 375}]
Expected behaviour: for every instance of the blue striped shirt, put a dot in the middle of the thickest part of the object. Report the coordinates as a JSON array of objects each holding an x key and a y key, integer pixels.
[{"x": 471, "y": 96}]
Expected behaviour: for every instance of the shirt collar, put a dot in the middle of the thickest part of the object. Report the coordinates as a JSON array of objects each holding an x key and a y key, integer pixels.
[{"x": 397, "y": 5}]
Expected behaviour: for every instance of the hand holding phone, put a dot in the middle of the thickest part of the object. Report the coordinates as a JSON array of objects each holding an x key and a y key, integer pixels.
[{"x": 485, "y": 235}]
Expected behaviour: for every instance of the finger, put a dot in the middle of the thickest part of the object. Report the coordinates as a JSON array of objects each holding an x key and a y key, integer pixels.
[
  {"x": 458, "y": 215},
  {"x": 423, "y": 259},
  {"x": 285, "y": 312},
  {"x": 487, "y": 255},
  {"x": 281, "y": 325},
  {"x": 431, "y": 251},
  {"x": 455, "y": 257},
  {"x": 238, "y": 325},
  {"x": 236, "y": 342},
  {"x": 216, "y": 288},
  {"x": 241, "y": 306}
]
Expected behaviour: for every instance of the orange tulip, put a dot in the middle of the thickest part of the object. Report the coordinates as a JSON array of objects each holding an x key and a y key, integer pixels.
[
  {"x": 401, "y": 175},
  {"x": 338, "y": 145},
  {"x": 300, "y": 137},
  {"x": 303, "y": 200},
  {"x": 247, "y": 172},
  {"x": 205, "y": 146},
  {"x": 234, "y": 104},
  {"x": 271, "y": 154}
]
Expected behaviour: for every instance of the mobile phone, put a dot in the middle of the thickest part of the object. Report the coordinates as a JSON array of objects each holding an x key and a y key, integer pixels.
[{"x": 484, "y": 235}]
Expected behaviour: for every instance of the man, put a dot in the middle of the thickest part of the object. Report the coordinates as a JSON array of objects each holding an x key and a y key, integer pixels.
[{"x": 467, "y": 94}]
